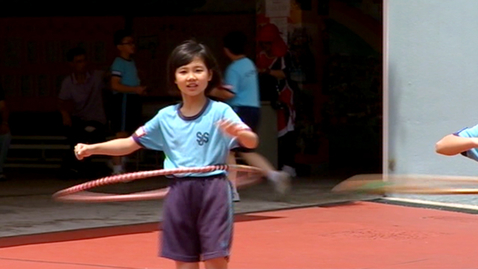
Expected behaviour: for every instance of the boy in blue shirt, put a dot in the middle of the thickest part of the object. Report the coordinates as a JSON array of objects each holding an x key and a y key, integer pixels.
[
  {"x": 127, "y": 89},
  {"x": 243, "y": 96}
]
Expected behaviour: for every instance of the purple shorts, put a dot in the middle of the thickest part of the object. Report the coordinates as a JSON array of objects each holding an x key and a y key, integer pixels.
[{"x": 197, "y": 219}]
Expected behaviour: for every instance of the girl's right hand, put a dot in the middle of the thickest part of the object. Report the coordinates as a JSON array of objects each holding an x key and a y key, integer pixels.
[{"x": 82, "y": 151}]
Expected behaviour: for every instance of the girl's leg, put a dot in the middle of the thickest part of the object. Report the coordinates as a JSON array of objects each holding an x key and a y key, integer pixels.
[
  {"x": 179, "y": 239},
  {"x": 187, "y": 265},
  {"x": 217, "y": 263},
  {"x": 215, "y": 222}
]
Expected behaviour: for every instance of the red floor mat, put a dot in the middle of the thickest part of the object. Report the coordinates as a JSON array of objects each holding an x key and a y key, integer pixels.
[{"x": 359, "y": 235}]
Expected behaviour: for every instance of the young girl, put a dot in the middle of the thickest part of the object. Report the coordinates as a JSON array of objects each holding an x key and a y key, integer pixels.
[{"x": 197, "y": 132}]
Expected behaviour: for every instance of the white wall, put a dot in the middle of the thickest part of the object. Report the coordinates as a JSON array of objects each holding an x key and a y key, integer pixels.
[{"x": 432, "y": 81}]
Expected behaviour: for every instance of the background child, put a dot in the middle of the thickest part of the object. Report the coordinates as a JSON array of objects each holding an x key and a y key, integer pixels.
[
  {"x": 80, "y": 102},
  {"x": 127, "y": 89},
  {"x": 244, "y": 97}
]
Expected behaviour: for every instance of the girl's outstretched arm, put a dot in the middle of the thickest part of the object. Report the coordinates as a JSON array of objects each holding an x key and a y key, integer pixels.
[
  {"x": 115, "y": 147},
  {"x": 453, "y": 144}
]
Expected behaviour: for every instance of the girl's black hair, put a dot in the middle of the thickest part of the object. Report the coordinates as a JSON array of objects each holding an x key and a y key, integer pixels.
[{"x": 184, "y": 54}]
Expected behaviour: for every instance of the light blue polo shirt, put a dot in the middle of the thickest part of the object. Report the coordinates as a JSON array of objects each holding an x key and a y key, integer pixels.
[
  {"x": 128, "y": 74},
  {"x": 190, "y": 141},
  {"x": 241, "y": 75},
  {"x": 126, "y": 70}
]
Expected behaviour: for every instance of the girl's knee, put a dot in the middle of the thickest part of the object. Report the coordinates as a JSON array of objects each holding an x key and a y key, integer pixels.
[
  {"x": 187, "y": 265},
  {"x": 217, "y": 263}
]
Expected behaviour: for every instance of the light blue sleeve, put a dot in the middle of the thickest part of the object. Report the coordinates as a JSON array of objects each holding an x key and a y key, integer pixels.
[
  {"x": 232, "y": 78},
  {"x": 150, "y": 135},
  {"x": 469, "y": 133}
]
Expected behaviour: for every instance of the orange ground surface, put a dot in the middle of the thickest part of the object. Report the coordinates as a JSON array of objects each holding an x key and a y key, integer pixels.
[{"x": 357, "y": 235}]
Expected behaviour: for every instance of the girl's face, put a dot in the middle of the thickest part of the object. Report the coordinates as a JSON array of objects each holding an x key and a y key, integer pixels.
[{"x": 192, "y": 79}]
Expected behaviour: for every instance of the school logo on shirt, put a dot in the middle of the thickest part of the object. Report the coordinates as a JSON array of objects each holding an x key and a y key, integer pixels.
[{"x": 202, "y": 138}]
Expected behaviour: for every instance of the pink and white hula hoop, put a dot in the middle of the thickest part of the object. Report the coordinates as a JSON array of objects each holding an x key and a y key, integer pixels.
[{"x": 247, "y": 175}]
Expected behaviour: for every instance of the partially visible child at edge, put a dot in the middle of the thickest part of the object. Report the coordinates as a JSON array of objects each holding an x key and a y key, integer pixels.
[
  {"x": 197, "y": 223},
  {"x": 127, "y": 90},
  {"x": 464, "y": 142}
]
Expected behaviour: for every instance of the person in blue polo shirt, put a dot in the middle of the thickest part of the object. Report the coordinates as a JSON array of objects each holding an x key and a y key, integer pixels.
[
  {"x": 127, "y": 91},
  {"x": 241, "y": 92}
]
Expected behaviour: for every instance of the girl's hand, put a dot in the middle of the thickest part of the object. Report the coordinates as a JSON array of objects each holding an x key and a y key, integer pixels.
[
  {"x": 231, "y": 128},
  {"x": 82, "y": 151}
]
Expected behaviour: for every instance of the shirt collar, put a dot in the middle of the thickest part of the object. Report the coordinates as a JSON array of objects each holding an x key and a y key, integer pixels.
[{"x": 190, "y": 118}]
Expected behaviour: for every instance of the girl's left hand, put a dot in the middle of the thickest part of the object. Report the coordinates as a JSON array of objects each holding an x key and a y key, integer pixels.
[{"x": 231, "y": 128}]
